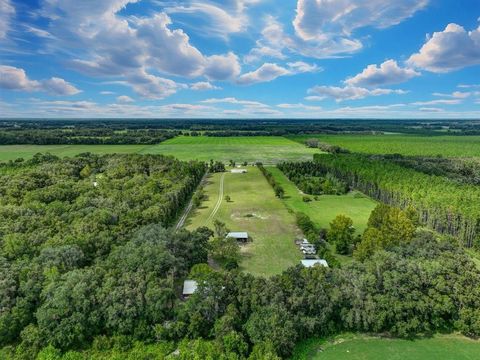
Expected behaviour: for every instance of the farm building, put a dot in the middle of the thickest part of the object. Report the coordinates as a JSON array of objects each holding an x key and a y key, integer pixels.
[
  {"x": 239, "y": 236},
  {"x": 312, "y": 262},
  {"x": 189, "y": 287},
  {"x": 238, "y": 171}
]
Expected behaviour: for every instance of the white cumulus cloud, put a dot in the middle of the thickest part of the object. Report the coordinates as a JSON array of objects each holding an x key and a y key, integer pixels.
[
  {"x": 451, "y": 49},
  {"x": 386, "y": 74},
  {"x": 348, "y": 92}
]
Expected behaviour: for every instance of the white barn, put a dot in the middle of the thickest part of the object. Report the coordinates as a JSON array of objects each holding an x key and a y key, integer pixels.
[
  {"x": 239, "y": 236},
  {"x": 238, "y": 171}
]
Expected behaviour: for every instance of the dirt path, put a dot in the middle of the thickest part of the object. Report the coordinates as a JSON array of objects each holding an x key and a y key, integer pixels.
[{"x": 219, "y": 200}]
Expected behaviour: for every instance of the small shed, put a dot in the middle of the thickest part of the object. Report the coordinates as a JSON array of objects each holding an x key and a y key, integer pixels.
[
  {"x": 189, "y": 287},
  {"x": 239, "y": 236},
  {"x": 313, "y": 262},
  {"x": 238, "y": 171}
]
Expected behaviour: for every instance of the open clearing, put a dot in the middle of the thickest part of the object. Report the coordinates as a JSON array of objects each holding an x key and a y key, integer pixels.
[
  {"x": 359, "y": 347},
  {"x": 266, "y": 149},
  {"x": 255, "y": 209},
  {"x": 322, "y": 211},
  {"x": 456, "y": 146}
]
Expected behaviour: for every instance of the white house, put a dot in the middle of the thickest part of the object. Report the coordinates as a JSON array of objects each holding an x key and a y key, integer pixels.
[{"x": 313, "y": 262}]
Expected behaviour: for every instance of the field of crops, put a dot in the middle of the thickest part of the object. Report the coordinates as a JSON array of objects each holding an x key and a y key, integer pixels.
[
  {"x": 360, "y": 347},
  {"x": 445, "y": 145},
  {"x": 255, "y": 209}
]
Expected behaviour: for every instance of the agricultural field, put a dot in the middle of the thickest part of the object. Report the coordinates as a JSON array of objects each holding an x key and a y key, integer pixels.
[
  {"x": 360, "y": 347},
  {"x": 12, "y": 152},
  {"x": 445, "y": 145},
  {"x": 255, "y": 209},
  {"x": 266, "y": 149},
  {"x": 322, "y": 211}
]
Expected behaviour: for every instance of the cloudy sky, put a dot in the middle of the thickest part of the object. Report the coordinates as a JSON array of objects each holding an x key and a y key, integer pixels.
[{"x": 240, "y": 58}]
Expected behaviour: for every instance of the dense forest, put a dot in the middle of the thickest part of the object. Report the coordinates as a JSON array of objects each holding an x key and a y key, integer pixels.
[
  {"x": 312, "y": 180},
  {"x": 460, "y": 170},
  {"x": 442, "y": 204},
  {"x": 125, "y": 305}
]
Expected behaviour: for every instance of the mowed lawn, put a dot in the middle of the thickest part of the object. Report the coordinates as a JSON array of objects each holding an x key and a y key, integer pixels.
[
  {"x": 266, "y": 149},
  {"x": 350, "y": 347},
  {"x": 446, "y": 145},
  {"x": 322, "y": 211},
  {"x": 255, "y": 209}
]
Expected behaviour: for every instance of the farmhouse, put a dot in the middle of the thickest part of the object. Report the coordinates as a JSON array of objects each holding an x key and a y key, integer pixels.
[
  {"x": 239, "y": 236},
  {"x": 189, "y": 287},
  {"x": 312, "y": 262},
  {"x": 238, "y": 171}
]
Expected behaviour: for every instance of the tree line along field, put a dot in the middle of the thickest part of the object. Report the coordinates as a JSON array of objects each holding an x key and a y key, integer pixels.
[
  {"x": 253, "y": 208},
  {"x": 362, "y": 347},
  {"x": 445, "y": 145},
  {"x": 267, "y": 149}
]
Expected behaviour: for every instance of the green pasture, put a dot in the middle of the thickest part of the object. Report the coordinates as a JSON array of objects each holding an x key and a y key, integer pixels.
[
  {"x": 255, "y": 209},
  {"x": 322, "y": 211},
  {"x": 266, "y": 149},
  {"x": 445, "y": 145},
  {"x": 362, "y": 347}
]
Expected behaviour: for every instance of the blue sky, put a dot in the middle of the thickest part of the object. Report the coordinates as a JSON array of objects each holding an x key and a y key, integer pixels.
[{"x": 240, "y": 58}]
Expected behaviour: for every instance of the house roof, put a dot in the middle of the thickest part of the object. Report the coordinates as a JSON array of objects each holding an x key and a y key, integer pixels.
[
  {"x": 189, "y": 287},
  {"x": 313, "y": 262},
  {"x": 238, "y": 170},
  {"x": 238, "y": 235}
]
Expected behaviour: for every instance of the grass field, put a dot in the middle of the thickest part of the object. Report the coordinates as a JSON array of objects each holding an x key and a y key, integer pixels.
[
  {"x": 255, "y": 209},
  {"x": 322, "y": 211},
  {"x": 267, "y": 149},
  {"x": 455, "y": 146},
  {"x": 359, "y": 347},
  {"x": 12, "y": 152}
]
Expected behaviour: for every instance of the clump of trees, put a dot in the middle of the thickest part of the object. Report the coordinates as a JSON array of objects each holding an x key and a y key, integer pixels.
[
  {"x": 311, "y": 180},
  {"x": 277, "y": 188},
  {"x": 341, "y": 234},
  {"x": 443, "y": 205},
  {"x": 333, "y": 149},
  {"x": 216, "y": 166}
]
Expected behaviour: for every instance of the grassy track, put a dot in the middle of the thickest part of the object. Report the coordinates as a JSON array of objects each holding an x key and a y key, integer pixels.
[
  {"x": 455, "y": 146},
  {"x": 350, "y": 347},
  {"x": 267, "y": 149},
  {"x": 327, "y": 207},
  {"x": 255, "y": 209}
]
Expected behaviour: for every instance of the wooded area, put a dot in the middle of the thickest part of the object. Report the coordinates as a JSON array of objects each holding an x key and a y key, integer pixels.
[{"x": 443, "y": 205}]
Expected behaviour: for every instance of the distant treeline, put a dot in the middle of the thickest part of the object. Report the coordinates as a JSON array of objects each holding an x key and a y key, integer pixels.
[
  {"x": 52, "y": 136},
  {"x": 260, "y": 127},
  {"x": 443, "y": 205}
]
